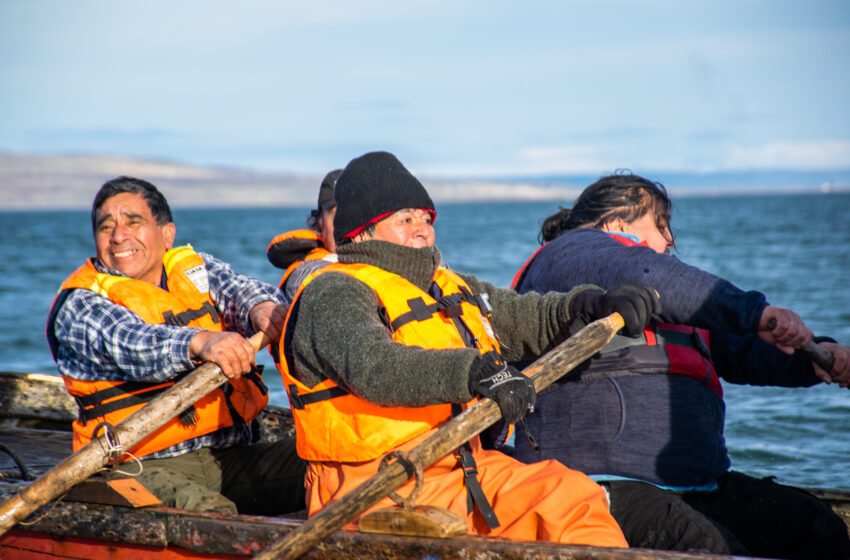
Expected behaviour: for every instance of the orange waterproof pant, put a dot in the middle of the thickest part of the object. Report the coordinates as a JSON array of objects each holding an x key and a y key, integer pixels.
[{"x": 544, "y": 501}]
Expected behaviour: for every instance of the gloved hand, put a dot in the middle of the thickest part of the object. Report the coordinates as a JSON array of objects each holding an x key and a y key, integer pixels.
[
  {"x": 512, "y": 391},
  {"x": 635, "y": 302}
]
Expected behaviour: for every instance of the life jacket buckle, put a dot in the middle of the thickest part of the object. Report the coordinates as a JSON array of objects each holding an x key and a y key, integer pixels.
[
  {"x": 449, "y": 307},
  {"x": 467, "y": 462}
]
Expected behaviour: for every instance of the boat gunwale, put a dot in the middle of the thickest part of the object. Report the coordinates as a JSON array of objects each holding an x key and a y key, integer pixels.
[{"x": 204, "y": 533}]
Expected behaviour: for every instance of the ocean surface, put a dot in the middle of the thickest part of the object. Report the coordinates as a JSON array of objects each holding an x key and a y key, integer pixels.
[{"x": 794, "y": 248}]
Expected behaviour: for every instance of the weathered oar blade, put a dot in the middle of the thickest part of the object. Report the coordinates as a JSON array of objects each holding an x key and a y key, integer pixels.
[
  {"x": 90, "y": 459},
  {"x": 458, "y": 430}
]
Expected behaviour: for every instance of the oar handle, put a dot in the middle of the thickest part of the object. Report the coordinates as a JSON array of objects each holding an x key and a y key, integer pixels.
[{"x": 823, "y": 358}]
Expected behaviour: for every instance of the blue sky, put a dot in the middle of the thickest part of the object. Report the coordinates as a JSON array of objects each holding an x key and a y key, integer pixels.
[{"x": 453, "y": 88}]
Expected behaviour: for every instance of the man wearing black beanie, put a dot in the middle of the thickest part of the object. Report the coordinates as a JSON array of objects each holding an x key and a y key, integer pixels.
[
  {"x": 383, "y": 347},
  {"x": 371, "y": 188}
]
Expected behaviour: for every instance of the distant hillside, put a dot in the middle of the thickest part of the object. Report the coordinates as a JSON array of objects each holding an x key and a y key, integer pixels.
[
  {"x": 70, "y": 181},
  {"x": 30, "y": 182},
  {"x": 35, "y": 181}
]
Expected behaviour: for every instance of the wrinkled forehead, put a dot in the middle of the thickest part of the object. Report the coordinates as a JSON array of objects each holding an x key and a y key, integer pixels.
[
  {"x": 128, "y": 205},
  {"x": 416, "y": 212}
]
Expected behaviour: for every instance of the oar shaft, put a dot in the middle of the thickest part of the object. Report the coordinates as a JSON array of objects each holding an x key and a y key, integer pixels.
[
  {"x": 91, "y": 458},
  {"x": 823, "y": 358},
  {"x": 458, "y": 430}
]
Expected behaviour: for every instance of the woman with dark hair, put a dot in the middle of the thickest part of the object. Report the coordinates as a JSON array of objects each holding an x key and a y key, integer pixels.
[
  {"x": 645, "y": 416},
  {"x": 628, "y": 198}
]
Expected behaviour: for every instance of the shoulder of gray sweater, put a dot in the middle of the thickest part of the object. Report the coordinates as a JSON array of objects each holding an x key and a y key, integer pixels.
[{"x": 335, "y": 290}]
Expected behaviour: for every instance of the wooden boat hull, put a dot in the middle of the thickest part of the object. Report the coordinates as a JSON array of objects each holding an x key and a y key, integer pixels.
[
  {"x": 88, "y": 532},
  {"x": 92, "y": 531}
]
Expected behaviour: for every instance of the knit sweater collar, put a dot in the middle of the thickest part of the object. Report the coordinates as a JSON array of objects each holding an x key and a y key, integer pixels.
[{"x": 418, "y": 266}]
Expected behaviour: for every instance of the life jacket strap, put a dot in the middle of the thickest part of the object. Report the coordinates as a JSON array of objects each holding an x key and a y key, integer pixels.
[
  {"x": 134, "y": 393},
  {"x": 255, "y": 377},
  {"x": 89, "y": 404},
  {"x": 184, "y": 318},
  {"x": 98, "y": 397},
  {"x": 227, "y": 389},
  {"x": 300, "y": 401},
  {"x": 448, "y": 306}
]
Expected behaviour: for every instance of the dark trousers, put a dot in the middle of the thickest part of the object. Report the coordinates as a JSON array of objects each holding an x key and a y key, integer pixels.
[
  {"x": 745, "y": 515},
  {"x": 262, "y": 479}
]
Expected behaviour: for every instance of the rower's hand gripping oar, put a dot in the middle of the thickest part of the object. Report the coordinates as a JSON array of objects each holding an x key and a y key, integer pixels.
[
  {"x": 455, "y": 432},
  {"x": 822, "y": 357},
  {"x": 96, "y": 454}
]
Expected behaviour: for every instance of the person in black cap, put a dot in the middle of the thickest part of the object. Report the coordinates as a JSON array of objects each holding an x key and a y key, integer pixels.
[
  {"x": 293, "y": 249},
  {"x": 386, "y": 345},
  {"x": 322, "y": 219}
]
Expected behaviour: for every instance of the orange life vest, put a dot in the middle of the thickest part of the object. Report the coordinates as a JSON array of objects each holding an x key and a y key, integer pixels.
[
  {"x": 292, "y": 249},
  {"x": 332, "y": 424},
  {"x": 186, "y": 303}
]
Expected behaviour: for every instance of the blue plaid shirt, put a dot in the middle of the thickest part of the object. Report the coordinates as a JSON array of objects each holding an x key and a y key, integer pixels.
[{"x": 100, "y": 340}]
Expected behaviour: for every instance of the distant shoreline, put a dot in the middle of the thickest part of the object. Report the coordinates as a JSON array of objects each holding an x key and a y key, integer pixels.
[{"x": 68, "y": 182}]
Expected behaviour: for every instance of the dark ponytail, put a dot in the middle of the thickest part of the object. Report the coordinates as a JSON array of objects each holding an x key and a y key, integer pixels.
[
  {"x": 621, "y": 195},
  {"x": 554, "y": 225}
]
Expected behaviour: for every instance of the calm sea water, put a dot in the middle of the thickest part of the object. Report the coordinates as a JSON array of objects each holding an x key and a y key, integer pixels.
[{"x": 795, "y": 248}]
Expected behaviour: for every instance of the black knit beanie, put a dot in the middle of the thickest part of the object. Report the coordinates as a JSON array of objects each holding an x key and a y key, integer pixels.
[{"x": 371, "y": 187}]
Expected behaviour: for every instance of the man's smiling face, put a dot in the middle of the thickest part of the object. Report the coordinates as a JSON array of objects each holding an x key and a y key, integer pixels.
[{"x": 129, "y": 240}]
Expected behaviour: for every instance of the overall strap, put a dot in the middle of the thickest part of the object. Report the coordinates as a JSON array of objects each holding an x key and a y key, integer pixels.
[{"x": 474, "y": 493}]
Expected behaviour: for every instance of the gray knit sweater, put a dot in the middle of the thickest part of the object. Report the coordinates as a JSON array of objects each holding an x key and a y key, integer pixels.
[{"x": 339, "y": 333}]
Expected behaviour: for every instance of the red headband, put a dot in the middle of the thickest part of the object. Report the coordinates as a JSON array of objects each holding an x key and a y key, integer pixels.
[{"x": 375, "y": 220}]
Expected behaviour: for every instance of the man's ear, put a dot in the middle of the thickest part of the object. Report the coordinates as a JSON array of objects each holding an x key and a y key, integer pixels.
[{"x": 169, "y": 231}]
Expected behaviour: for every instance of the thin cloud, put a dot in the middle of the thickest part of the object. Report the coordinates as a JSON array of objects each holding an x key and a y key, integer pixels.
[
  {"x": 561, "y": 159},
  {"x": 532, "y": 160},
  {"x": 823, "y": 154}
]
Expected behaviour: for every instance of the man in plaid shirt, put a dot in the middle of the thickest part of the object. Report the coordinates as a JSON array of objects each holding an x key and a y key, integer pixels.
[{"x": 141, "y": 315}]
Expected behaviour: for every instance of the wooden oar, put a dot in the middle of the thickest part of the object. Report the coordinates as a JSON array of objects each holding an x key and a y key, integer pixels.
[
  {"x": 90, "y": 459},
  {"x": 460, "y": 429},
  {"x": 820, "y": 356}
]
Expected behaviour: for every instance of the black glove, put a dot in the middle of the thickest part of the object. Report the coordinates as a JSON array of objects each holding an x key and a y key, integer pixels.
[
  {"x": 635, "y": 302},
  {"x": 512, "y": 391}
]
